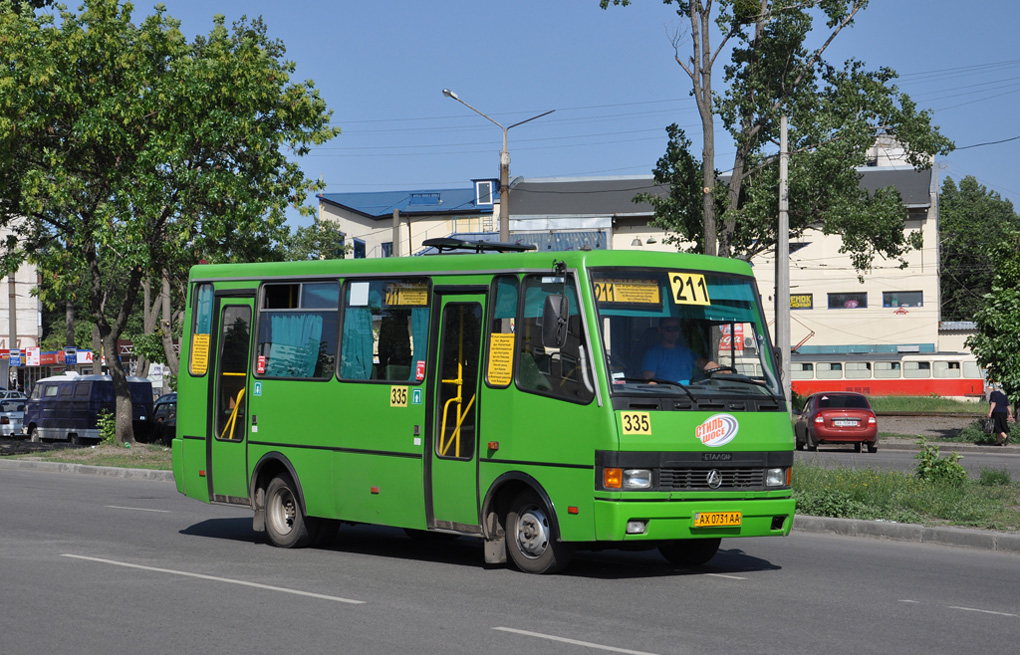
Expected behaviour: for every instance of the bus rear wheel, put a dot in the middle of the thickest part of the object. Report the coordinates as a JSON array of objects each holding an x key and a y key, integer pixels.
[
  {"x": 286, "y": 524},
  {"x": 690, "y": 552},
  {"x": 530, "y": 539}
]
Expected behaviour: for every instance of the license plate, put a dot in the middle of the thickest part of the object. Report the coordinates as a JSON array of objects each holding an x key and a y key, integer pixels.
[
  {"x": 845, "y": 423},
  {"x": 716, "y": 519}
]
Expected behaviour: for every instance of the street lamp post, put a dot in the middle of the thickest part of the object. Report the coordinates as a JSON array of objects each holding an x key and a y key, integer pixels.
[{"x": 504, "y": 166}]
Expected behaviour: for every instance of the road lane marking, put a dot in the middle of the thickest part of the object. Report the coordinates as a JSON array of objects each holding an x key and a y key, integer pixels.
[
  {"x": 974, "y": 609},
  {"x": 202, "y": 576},
  {"x": 575, "y": 642},
  {"x": 728, "y": 577},
  {"x": 138, "y": 509}
]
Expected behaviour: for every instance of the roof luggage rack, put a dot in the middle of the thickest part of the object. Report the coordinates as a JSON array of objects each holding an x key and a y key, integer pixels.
[{"x": 446, "y": 244}]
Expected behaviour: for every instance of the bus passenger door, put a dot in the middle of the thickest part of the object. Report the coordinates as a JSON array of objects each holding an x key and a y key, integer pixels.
[
  {"x": 227, "y": 467},
  {"x": 452, "y": 438}
]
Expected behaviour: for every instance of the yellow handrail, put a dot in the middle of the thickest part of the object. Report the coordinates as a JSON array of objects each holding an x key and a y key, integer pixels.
[{"x": 232, "y": 421}]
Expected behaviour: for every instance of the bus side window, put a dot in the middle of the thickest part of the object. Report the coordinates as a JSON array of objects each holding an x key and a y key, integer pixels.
[
  {"x": 502, "y": 334},
  {"x": 297, "y": 330},
  {"x": 556, "y": 372},
  {"x": 385, "y": 330}
]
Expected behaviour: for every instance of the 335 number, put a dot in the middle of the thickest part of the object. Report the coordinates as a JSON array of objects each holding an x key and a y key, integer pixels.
[{"x": 636, "y": 423}]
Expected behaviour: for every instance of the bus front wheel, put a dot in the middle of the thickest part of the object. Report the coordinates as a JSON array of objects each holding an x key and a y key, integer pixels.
[
  {"x": 286, "y": 524},
  {"x": 530, "y": 539},
  {"x": 689, "y": 552}
]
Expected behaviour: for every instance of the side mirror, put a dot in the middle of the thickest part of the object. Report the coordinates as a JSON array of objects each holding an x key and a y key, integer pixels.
[{"x": 554, "y": 321}]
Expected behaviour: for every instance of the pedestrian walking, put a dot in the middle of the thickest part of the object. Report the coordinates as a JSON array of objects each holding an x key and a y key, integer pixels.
[{"x": 998, "y": 411}]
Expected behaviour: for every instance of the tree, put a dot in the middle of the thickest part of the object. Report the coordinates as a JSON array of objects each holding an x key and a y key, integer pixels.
[
  {"x": 321, "y": 240},
  {"x": 997, "y": 342},
  {"x": 836, "y": 115},
  {"x": 129, "y": 153},
  {"x": 971, "y": 222}
]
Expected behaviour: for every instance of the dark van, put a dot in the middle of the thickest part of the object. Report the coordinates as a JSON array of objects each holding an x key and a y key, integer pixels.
[{"x": 66, "y": 407}]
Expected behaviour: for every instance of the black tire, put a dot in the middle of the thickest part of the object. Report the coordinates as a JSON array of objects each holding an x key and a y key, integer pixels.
[
  {"x": 857, "y": 447},
  {"x": 872, "y": 446},
  {"x": 797, "y": 441},
  {"x": 811, "y": 445},
  {"x": 689, "y": 552},
  {"x": 33, "y": 436},
  {"x": 529, "y": 536},
  {"x": 166, "y": 437},
  {"x": 286, "y": 524}
]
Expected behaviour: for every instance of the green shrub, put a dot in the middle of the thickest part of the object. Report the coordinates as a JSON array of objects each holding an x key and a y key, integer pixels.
[
  {"x": 107, "y": 424},
  {"x": 830, "y": 502},
  {"x": 995, "y": 477},
  {"x": 932, "y": 467}
]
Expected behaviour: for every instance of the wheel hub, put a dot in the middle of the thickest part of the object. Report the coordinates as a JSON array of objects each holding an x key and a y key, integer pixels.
[{"x": 533, "y": 532}]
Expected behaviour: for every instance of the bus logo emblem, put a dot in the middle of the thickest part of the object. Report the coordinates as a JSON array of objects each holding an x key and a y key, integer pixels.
[
  {"x": 717, "y": 430},
  {"x": 714, "y": 479}
]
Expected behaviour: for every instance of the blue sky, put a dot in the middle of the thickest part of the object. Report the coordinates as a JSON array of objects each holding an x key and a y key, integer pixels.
[{"x": 610, "y": 76}]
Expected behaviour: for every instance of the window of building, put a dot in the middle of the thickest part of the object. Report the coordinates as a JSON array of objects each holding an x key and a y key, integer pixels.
[
  {"x": 902, "y": 298},
  {"x": 385, "y": 330},
  {"x": 297, "y": 330},
  {"x": 359, "y": 249},
  {"x": 484, "y": 192},
  {"x": 387, "y": 249},
  {"x": 848, "y": 300},
  {"x": 829, "y": 370}
]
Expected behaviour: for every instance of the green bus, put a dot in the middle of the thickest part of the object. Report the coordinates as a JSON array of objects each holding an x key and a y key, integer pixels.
[{"x": 508, "y": 396}]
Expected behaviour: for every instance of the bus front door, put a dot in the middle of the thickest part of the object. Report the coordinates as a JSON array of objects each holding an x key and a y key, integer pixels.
[
  {"x": 227, "y": 467},
  {"x": 452, "y": 430}
]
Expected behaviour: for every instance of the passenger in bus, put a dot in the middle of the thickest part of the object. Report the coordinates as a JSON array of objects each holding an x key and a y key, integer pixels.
[{"x": 672, "y": 359}]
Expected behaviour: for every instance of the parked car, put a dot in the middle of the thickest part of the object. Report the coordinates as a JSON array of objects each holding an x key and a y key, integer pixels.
[
  {"x": 6, "y": 393},
  {"x": 164, "y": 419},
  {"x": 66, "y": 407},
  {"x": 838, "y": 417},
  {"x": 12, "y": 417}
]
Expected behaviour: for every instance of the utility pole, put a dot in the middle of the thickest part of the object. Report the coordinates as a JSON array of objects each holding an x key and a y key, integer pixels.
[
  {"x": 782, "y": 294},
  {"x": 504, "y": 166},
  {"x": 12, "y": 341}
]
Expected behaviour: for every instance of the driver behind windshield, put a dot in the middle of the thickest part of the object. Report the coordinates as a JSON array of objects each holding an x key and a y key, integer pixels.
[{"x": 672, "y": 359}]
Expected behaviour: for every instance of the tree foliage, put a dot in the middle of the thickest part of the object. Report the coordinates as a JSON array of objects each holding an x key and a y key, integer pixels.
[
  {"x": 971, "y": 222},
  {"x": 997, "y": 342},
  {"x": 321, "y": 240},
  {"x": 835, "y": 115},
  {"x": 127, "y": 152}
]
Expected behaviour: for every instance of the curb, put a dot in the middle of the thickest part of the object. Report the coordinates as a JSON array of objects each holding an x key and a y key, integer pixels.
[
  {"x": 962, "y": 537},
  {"x": 84, "y": 469}
]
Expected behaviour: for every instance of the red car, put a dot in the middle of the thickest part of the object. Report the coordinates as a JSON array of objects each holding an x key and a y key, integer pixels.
[{"x": 837, "y": 417}]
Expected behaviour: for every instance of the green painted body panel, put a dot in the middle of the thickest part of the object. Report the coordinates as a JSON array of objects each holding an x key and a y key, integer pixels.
[{"x": 357, "y": 458}]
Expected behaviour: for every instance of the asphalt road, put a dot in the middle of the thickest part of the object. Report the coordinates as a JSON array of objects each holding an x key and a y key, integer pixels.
[{"x": 117, "y": 566}]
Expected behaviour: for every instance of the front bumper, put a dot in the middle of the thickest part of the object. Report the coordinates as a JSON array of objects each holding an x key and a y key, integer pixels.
[{"x": 666, "y": 520}]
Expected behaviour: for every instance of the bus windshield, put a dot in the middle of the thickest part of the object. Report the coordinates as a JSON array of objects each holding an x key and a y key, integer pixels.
[{"x": 686, "y": 333}]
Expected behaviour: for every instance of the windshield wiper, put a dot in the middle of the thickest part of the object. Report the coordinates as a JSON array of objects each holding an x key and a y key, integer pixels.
[
  {"x": 749, "y": 380},
  {"x": 658, "y": 381}
]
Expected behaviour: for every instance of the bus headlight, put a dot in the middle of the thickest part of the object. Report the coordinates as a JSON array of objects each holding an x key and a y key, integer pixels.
[
  {"x": 775, "y": 477},
  {"x": 637, "y": 479}
]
